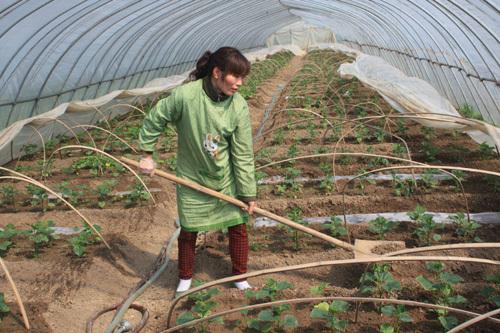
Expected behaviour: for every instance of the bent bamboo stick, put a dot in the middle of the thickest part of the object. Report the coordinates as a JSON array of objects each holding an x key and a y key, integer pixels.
[{"x": 241, "y": 204}]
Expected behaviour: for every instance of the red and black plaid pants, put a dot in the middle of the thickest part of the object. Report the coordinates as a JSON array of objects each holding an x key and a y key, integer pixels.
[{"x": 238, "y": 249}]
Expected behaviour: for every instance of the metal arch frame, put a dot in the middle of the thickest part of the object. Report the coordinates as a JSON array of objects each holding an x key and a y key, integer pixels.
[
  {"x": 70, "y": 72},
  {"x": 121, "y": 31},
  {"x": 458, "y": 45},
  {"x": 35, "y": 45},
  {"x": 414, "y": 43},
  {"x": 15, "y": 101},
  {"x": 353, "y": 20},
  {"x": 103, "y": 19},
  {"x": 152, "y": 53},
  {"x": 396, "y": 60}
]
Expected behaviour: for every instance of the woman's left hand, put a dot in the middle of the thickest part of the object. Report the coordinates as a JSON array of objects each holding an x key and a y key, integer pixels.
[{"x": 251, "y": 206}]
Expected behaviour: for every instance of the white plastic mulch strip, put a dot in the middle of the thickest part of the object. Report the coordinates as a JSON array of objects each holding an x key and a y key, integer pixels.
[
  {"x": 381, "y": 177},
  {"x": 483, "y": 218}
]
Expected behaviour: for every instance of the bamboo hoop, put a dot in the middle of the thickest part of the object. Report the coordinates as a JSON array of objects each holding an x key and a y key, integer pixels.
[
  {"x": 322, "y": 264},
  {"x": 16, "y": 294},
  {"x": 471, "y": 322},
  {"x": 331, "y": 298}
]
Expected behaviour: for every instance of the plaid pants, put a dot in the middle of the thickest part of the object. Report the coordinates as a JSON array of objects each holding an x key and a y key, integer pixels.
[{"x": 238, "y": 249}]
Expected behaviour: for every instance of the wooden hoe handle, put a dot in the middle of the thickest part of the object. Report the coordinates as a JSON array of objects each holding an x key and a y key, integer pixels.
[{"x": 241, "y": 204}]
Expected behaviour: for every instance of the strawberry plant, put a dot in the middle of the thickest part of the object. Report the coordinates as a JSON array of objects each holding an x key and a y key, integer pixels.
[
  {"x": 85, "y": 238},
  {"x": 381, "y": 226},
  {"x": 6, "y": 237},
  {"x": 492, "y": 294},
  {"x": 295, "y": 214},
  {"x": 441, "y": 287},
  {"x": 8, "y": 195},
  {"x": 38, "y": 195},
  {"x": 379, "y": 282},
  {"x": 330, "y": 313},
  {"x": 335, "y": 227},
  {"x": 362, "y": 181},
  {"x": 399, "y": 315},
  {"x": 425, "y": 226},
  {"x": 103, "y": 191},
  {"x": 486, "y": 151},
  {"x": 398, "y": 150},
  {"x": 4, "y": 308},
  {"x": 203, "y": 307},
  {"x": 319, "y": 290},
  {"x": 403, "y": 187},
  {"x": 137, "y": 195},
  {"x": 466, "y": 229},
  {"x": 42, "y": 235},
  {"x": 271, "y": 319}
]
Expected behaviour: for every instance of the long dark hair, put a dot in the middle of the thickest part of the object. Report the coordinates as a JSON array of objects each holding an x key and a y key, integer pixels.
[{"x": 227, "y": 59}]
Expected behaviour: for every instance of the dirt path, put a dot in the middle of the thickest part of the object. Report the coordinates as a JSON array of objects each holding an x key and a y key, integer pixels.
[{"x": 62, "y": 292}]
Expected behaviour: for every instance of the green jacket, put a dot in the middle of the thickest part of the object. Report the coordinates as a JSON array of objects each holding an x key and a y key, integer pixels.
[{"x": 214, "y": 150}]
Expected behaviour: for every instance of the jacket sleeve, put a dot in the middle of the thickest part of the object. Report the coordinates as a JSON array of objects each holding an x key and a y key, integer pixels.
[
  {"x": 242, "y": 158},
  {"x": 165, "y": 111}
]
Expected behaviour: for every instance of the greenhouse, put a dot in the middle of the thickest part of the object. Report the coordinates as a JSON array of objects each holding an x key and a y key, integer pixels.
[{"x": 328, "y": 166}]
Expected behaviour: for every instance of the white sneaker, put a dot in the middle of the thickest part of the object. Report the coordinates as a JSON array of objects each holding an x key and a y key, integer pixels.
[
  {"x": 242, "y": 285},
  {"x": 184, "y": 285}
]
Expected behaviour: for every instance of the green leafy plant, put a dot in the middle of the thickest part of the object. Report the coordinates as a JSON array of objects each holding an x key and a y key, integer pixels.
[
  {"x": 381, "y": 226},
  {"x": 42, "y": 235},
  {"x": 29, "y": 150},
  {"x": 137, "y": 195},
  {"x": 426, "y": 226},
  {"x": 330, "y": 313},
  {"x": 319, "y": 290},
  {"x": 398, "y": 150},
  {"x": 7, "y": 235},
  {"x": 38, "y": 195},
  {"x": 8, "y": 193},
  {"x": 279, "y": 137},
  {"x": 295, "y": 214},
  {"x": 379, "y": 282},
  {"x": 271, "y": 319},
  {"x": 85, "y": 238},
  {"x": 441, "y": 287},
  {"x": 73, "y": 196},
  {"x": 103, "y": 192},
  {"x": 492, "y": 293},
  {"x": 466, "y": 229},
  {"x": 361, "y": 133},
  {"x": 468, "y": 111},
  {"x": 362, "y": 181},
  {"x": 428, "y": 180},
  {"x": 399, "y": 315},
  {"x": 4, "y": 308},
  {"x": 430, "y": 151},
  {"x": 486, "y": 151},
  {"x": 203, "y": 307},
  {"x": 403, "y": 187},
  {"x": 335, "y": 227}
]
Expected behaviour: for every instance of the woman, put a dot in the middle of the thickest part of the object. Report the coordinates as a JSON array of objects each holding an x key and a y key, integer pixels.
[{"x": 214, "y": 150}]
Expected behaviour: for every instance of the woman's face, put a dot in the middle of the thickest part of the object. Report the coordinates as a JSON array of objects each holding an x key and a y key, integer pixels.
[{"x": 228, "y": 84}]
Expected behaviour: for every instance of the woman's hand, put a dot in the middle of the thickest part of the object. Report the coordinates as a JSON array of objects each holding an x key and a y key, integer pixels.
[
  {"x": 251, "y": 206},
  {"x": 147, "y": 165}
]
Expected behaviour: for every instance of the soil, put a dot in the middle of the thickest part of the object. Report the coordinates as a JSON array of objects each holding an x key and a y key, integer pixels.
[{"x": 62, "y": 292}]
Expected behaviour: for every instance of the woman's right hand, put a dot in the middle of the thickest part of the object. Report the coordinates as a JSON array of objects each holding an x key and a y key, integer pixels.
[{"x": 147, "y": 165}]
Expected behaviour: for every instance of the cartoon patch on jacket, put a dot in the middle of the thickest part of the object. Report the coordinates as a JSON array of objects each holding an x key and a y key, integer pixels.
[{"x": 211, "y": 145}]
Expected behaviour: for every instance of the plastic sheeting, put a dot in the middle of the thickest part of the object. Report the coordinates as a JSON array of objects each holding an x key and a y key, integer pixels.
[
  {"x": 66, "y": 117},
  {"x": 301, "y": 34},
  {"x": 414, "y": 96}
]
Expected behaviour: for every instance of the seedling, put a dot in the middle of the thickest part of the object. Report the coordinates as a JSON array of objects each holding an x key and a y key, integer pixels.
[
  {"x": 466, "y": 229},
  {"x": 425, "y": 226},
  {"x": 6, "y": 237},
  {"x": 398, "y": 150},
  {"x": 85, "y": 238},
  {"x": 292, "y": 150},
  {"x": 42, "y": 235},
  {"x": 430, "y": 151},
  {"x": 330, "y": 313},
  {"x": 137, "y": 195},
  {"x": 295, "y": 214},
  {"x": 103, "y": 191},
  {"x": 8, "y": 195},
  {"x": 335, "y": 226},
  {"x": 319, "y": 290},
  {"x": 381, "y": 226},
  {"x": 279, "y": 137},
  {"x": 4, "y": 308},
  {"x": 442, "y": 291},
  {"x": 428, "y": 180},
  {"x": 271, "y": 319},
  {"x": 468, "y": 111},
  {"x": 38, "y": 195},
  {"x": 362, "y": 133},
  {"x": 380, "y": 282},
  {"x": 363, "y": 181},
  {"x": 403, "y": 187},
  {"x": 486, "y": 151},
  {"x": 380, "y": 135},
  {"x": 492, "y": 294},
  {"x": 29, "y": 150},
  {"x": 72, "y": 195},
  {"x": 399, "y": 315},
  {"x": 429, "y": 133},
  {"x": 401, "y": 128},
  {"x": 203, "y": 306}
]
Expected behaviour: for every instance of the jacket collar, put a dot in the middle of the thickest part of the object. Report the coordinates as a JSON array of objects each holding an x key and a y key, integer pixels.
[{"x": 212, "y": 92}]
